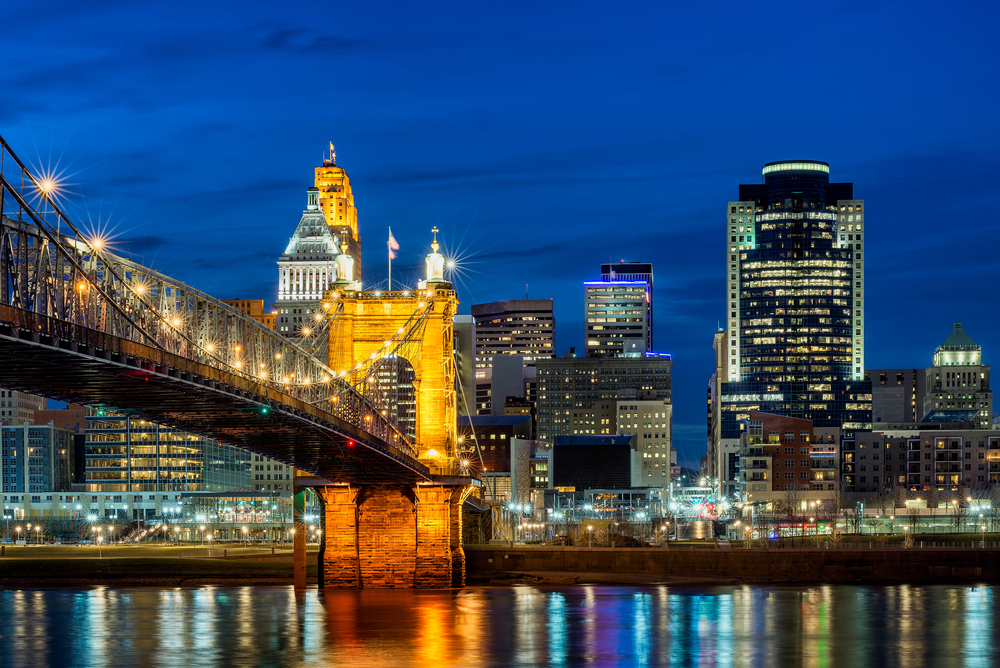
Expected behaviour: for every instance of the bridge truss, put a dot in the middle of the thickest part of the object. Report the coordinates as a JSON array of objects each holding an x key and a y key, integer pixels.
[{"x": 53, "y": 277}]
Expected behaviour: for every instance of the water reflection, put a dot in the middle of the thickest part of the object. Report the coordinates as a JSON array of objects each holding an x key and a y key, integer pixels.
[{"x": 520, "y": 626}]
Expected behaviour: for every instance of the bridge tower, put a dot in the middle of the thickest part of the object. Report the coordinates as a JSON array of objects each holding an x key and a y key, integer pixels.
[
  {"x": 391, "y": 534},
  {"x": 366, "y": 320}
]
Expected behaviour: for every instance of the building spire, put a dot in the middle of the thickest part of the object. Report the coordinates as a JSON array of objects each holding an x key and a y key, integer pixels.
[
  {"x": 333, "y": 155},
  {"x": 435, "y": 244}
]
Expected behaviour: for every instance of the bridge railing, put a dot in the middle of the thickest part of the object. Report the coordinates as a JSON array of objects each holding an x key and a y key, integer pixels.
[{"x": 47, "y": 266}]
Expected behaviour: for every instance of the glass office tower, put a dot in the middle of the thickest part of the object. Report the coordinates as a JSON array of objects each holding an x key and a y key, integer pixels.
[{"x": 795, "y": 296}]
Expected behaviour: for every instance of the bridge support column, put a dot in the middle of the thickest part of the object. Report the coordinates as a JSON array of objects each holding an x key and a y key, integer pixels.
[
  {"x": 340, "y": 533},
  {"x": 299, "y": 538},
  {"x": 399, "y": 536}
]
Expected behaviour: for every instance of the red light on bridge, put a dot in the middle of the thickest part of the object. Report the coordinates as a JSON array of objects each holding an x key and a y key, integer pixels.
[{"x": 350, "y": 443}]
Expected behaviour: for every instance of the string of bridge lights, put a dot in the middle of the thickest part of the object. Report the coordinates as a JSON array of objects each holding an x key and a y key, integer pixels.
[
  {"x": 389, "y": 347},
  {"x": 139, "y": 290}
]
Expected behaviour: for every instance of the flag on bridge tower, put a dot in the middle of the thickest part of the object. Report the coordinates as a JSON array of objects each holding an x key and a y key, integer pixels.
[{"x": 393, "y": 246}]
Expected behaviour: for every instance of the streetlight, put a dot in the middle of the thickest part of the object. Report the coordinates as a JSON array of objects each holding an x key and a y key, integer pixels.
[
  {"x": 245, "y": 536},
  {"x": 590, "y": 539},
  {"x": 38, "y": 534}
]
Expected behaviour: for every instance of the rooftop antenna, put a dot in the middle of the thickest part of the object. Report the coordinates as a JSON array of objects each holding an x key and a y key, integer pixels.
[{"x": 525, "y": 290}]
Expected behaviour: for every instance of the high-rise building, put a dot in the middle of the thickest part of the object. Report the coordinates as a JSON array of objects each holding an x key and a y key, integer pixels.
[
  {"x": 521, "y": 328},
  {"x": 634, "y": 271},
  {"x": 650, "y": 420},
  {"x": 396, "y": 377},
  {"x": 126, "y": 454},
  {"x": 464, "y": 329},
  {"x": 580, "y": 395},
  {"x": 525, "y": 327},
  {"x": 795, "y": 296},
  {"x": 897, "y": 395},
  {"x": 616, "y": 312},
  {"x": 36, "y": 458},
  {"x": 958, "y": 383},
  {"x": 305, "y": 271},
  {"x": 336, "y": 200},
  {"x": 723, "y": 453},
  {"x": 16, "y": 408},
  {"x": 308, "y": 265}
]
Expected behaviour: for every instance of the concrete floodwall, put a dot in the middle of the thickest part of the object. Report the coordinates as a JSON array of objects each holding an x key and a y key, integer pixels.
[{"x": 736, "y": 565}]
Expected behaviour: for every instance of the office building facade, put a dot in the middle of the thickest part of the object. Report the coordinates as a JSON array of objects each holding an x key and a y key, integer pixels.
[
  {"x": 336, "y": 201},
  {"x": 634, "y": 272},
  {"x": 616, "y": 313},
  {"x": 127, "y": 454},
  {"x": 650, "y": 421},
  {"x": 958, "y": 383},
  {"x": 579, "y": 395},
  {"x": 16, "y": 408},
  {"x": 524, "y": 327},
  {"x": 305, "y": 271},
  {"x": 519, "y": 332},
  {"x": 328, "y": 226},
  {"x": 939, "y": 459},
  {"x": 36, "y": 458},
  {"x": 897, "y": 395},
  {"x": 464, "y": 332},
  {"x": 795, "y": 300},
  {"x": 255, "y": 309}
]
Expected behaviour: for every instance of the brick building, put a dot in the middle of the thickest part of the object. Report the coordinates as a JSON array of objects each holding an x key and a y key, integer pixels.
[{"x": 783, "y": 455}]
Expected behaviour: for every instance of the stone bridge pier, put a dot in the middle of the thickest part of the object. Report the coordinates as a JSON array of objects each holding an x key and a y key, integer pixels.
[{"x": 391, "y": 536}]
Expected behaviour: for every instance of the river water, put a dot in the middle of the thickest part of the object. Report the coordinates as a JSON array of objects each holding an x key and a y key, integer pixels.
[{"x": 821, "y": 625}]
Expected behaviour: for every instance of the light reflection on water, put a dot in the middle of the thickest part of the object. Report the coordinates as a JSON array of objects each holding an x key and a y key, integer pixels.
[{"x": 566, "y": 626}]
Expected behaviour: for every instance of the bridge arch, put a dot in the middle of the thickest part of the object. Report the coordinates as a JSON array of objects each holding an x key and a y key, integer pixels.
[{"x": 419, "y": 323}]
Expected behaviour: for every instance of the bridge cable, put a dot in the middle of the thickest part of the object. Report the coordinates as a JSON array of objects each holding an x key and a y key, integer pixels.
[{"x": 472, "y": 427}]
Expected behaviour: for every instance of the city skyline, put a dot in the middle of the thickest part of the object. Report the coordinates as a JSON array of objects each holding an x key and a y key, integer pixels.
[{"x": 172, "y": 171}]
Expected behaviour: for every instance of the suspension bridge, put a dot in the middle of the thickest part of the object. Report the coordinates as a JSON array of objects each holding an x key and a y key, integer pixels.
[{"x": 81, "y": 324}]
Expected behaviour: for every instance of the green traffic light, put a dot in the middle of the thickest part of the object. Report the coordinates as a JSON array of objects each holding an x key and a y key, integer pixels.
[{"x": 265, "y": 410}]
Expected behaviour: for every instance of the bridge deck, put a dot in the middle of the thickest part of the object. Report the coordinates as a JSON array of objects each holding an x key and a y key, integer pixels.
[{"x": 62, "y": 361}]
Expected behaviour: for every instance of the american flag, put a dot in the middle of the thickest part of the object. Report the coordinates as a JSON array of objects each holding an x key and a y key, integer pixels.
[{"x": 393, "y": 245}]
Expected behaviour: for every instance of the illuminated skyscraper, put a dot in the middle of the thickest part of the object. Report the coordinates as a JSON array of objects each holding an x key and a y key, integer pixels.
[
  {"x": 336, "y": 200},
  {"x": 305, "y": 271},
  {"x": 634, "y": 272},
  {"x": 616, "y": 317},
  {"x": 307, "y": 267},
  {"x": 795, "y": 296}
]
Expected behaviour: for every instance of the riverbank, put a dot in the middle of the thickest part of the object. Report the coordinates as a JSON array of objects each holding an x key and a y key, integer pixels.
[
  {"x": 146, "y": 571},
  {"x": 678, "y": 565}
]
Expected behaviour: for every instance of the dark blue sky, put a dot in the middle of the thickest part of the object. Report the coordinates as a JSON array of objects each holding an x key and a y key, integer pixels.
[{"x": 540, "y": 140}]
